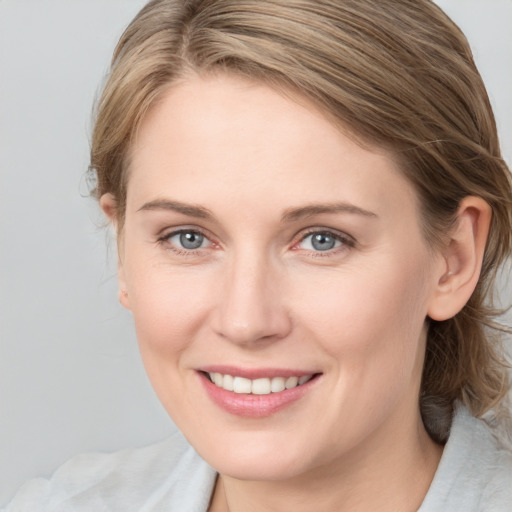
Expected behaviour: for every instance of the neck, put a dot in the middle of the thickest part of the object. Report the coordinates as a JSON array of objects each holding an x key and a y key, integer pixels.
[{"x": 392, "y": 472}]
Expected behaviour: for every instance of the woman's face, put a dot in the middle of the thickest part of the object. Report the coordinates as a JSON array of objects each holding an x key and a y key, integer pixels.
[{"x": 263, "y": 244}]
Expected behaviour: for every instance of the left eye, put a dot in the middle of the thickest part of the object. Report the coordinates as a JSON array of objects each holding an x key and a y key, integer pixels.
[
  {"x": 188, "y": 240},
  {"x": 321, "y": 241}
]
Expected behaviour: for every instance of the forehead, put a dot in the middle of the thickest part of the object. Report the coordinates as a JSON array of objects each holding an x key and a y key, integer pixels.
[{"x": 222, "y": 137}]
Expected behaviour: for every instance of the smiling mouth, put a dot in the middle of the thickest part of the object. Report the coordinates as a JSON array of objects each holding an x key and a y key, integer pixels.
[
  {"x": 261, "y": 386},
  {"x": 268, "y": 392}
]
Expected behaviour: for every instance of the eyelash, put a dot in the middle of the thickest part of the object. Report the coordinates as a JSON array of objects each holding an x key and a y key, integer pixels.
[
  {"x": 346, "y": 241},
  {"x": 164, "y": 240}
]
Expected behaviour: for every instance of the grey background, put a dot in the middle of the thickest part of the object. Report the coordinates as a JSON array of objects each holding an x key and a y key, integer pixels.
[{"x": 70, "y": 375}]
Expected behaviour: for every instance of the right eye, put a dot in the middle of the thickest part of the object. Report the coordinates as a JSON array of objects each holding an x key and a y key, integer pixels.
[{"x": 186, "y": 240}]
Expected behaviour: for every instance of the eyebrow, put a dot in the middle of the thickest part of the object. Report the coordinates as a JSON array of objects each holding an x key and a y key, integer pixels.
[
  {"x": 294, "y": 214},
  {"x": 289, "y": 215},
  {"x": 186, "y": 209}
]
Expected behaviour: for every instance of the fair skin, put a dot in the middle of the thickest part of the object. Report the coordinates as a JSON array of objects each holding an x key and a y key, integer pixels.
[{"x": 219, "y": 265}]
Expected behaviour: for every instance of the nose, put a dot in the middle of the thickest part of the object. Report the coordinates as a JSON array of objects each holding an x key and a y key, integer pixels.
[{"x": 251, "y": 309}]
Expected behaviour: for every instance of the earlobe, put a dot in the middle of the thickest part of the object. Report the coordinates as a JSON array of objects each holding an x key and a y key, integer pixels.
[
  {"x": 123, "y": 296},
  {"x": 463, "y": 257},
  {"x": 108, "y": 204}
]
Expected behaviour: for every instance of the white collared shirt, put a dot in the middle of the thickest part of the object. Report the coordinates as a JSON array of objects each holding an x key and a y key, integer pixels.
[{"x": 474, "y": 475}]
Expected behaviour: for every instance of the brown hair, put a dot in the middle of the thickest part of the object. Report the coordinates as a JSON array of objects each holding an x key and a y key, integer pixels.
[{"x": 398, "y": 73}]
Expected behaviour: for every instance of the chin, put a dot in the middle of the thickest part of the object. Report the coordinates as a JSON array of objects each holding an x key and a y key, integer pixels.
[
  {"x": 251, "y": 468},
  {"x": 262, "y": 457}
]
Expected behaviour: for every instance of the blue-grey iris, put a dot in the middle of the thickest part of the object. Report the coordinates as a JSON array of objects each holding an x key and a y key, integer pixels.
[
  {"x": 323, "y": 241},
  {"x": 191, "y": 240}
]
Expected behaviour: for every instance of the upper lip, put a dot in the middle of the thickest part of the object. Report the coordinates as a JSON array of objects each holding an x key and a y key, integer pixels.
[{"x": 255, "y": 373}]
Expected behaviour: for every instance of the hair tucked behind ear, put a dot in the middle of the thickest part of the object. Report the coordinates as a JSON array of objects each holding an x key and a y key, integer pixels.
[{"x": 397, "y": 73}]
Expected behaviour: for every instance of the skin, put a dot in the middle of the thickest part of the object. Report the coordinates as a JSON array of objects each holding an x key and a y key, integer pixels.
[{"x": 258, "y": 294}]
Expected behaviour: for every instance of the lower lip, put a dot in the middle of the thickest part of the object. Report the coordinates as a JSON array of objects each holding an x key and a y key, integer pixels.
[{"x": 254, "y": 406}]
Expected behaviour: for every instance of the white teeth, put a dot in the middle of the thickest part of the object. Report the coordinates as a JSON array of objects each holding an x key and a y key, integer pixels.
[
  {"x": 291, "y": 382},
  {"x": 260, "y": 387},
  {"x": 242, "y": 385},
  {"x": 228, "y": 383},
  {"x": 277, "y": 384},
  {"x": 263, "y": 386},
  {"x": 303, "y": 379}
]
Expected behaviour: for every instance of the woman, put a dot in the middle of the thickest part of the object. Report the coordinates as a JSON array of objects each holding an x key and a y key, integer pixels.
[{"x": 311, "y": 208}]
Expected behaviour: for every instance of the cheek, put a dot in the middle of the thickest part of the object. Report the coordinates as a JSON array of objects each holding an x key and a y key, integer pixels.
[
  {"x": 370, "y": 324},
  {"x": 169, "y": 307},
  {"x": 369, "y": 313},
  {"x": 169, "y": 311}
]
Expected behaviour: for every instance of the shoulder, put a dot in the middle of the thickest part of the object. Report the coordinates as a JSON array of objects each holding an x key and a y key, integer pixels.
[
  {"x": 475, "y": 472},
  {"x": 148, "y": 478}
]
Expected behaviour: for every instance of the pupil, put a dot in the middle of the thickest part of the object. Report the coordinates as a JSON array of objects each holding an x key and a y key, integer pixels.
[
  {"x": 191, "y": 240},
  {"x": 322, "y": 242}
]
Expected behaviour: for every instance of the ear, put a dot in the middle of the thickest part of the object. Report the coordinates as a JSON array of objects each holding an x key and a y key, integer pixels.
[
  {"x": 108, "y": 204},
  {"x": 463, "y": 258}
]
